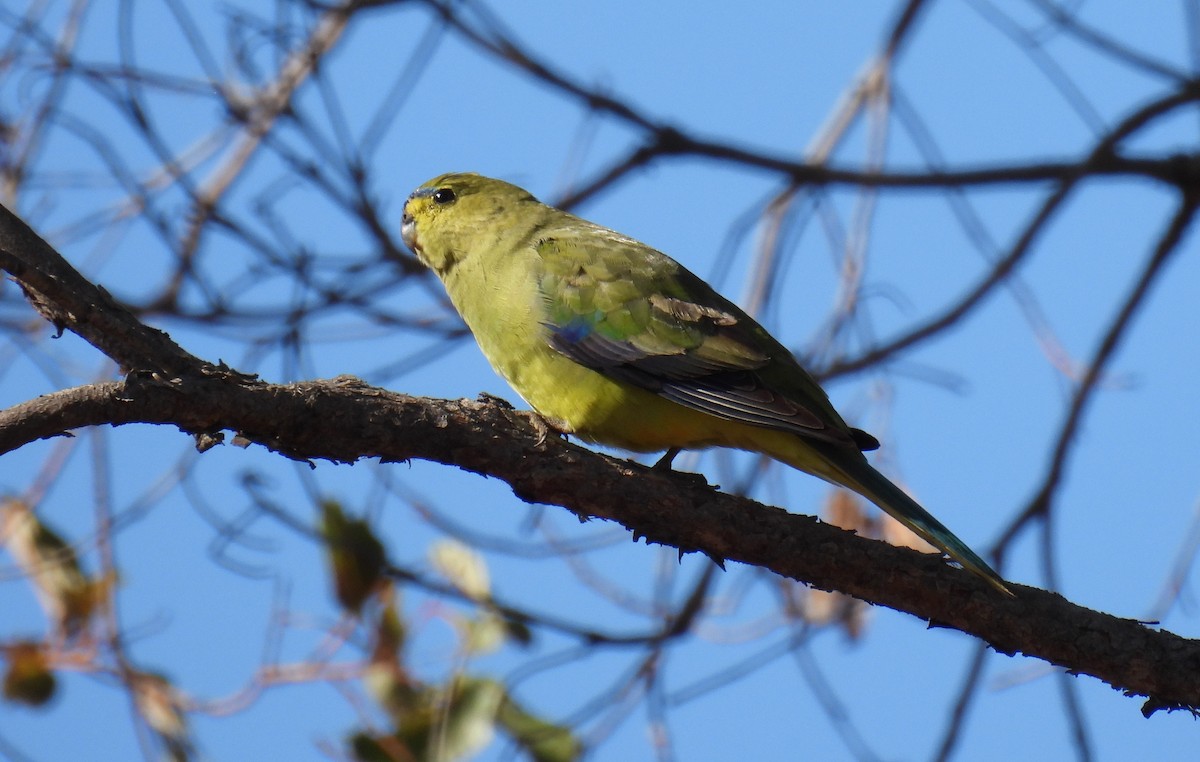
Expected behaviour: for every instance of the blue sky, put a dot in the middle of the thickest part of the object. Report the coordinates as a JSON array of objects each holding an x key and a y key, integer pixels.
[{"x": 967, "y": 420}]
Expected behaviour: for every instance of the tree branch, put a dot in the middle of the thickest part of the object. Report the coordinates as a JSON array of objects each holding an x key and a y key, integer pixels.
[
  {"x": 69, "y": 301},
  {"x": 344, "y": 420}
]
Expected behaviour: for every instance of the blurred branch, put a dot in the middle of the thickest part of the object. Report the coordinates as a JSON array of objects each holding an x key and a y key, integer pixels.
[
  {"x": 1182, "y": 170},
  {"x": 259, "y": 114},
  {"x": 1068, "y": 23},
  {"x": 1168, "y": 244},
  {"x": 1187, "y": 180},
  {"x": 344, "y": 420},
  {"x": 664, "y": 140}
]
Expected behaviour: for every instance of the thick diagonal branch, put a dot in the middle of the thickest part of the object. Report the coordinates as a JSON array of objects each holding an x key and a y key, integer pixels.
[{"x": 344, "y": 420}]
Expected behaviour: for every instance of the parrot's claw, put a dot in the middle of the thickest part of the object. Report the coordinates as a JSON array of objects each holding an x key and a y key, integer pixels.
[
  {"x": 544, "y": 428},
  {"x": 664, "y": 463},
  {"x": 542, "y": 425},
  {"x": 492, "y": 399}
]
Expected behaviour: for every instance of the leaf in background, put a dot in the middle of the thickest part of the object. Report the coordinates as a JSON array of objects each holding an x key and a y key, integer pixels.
[
  {"x": 443, "y": 725},
  {"x": 67, "y": 595},
  {"x": 28, "y": 679},
  {"x": 822, "y": 607},
  {"x": 160, "y": 705},
  {"x": 385, "y": 676},
  {"x": 545, "y": 741},
  {"x": 356, "y": 556},
  {"x": 463, "y": 567},
  {"x": 485, "y": 633}
]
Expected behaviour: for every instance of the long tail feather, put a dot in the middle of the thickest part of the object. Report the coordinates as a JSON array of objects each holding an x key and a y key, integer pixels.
[{"x": 864, "y": 479}]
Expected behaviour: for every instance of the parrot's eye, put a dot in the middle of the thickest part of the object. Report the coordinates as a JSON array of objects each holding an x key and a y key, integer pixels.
[{"x": 443, "y": 196}]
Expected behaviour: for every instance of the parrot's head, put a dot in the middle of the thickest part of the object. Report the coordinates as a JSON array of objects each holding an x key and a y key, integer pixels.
[{"x": 447, "y": 218}]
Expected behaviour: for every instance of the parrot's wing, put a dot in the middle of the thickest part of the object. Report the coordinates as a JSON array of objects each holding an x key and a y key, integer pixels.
[{"x": 635, "y": 315}]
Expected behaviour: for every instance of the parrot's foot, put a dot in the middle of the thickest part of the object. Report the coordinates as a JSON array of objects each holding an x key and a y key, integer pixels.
[
  {"x": 492, "y": 399},
  {"x": 545, "y": 428},
  {"x": 664, "y": 463},
  {"x": 664, "y": 466}
]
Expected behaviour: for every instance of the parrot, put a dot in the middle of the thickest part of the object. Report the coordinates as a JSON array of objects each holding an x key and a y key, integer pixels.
[{"x": 616, "y": 343}]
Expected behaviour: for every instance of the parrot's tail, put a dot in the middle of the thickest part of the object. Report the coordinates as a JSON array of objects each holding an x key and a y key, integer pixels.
[{"x": 861, "y": 477}]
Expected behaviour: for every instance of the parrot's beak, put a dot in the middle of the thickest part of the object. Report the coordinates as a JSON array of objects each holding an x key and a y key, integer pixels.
[{"x": 408, "y": 231}]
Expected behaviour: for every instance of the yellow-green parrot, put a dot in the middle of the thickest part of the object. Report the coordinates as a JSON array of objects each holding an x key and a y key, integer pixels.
[{"x": 619, "y": 344}]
